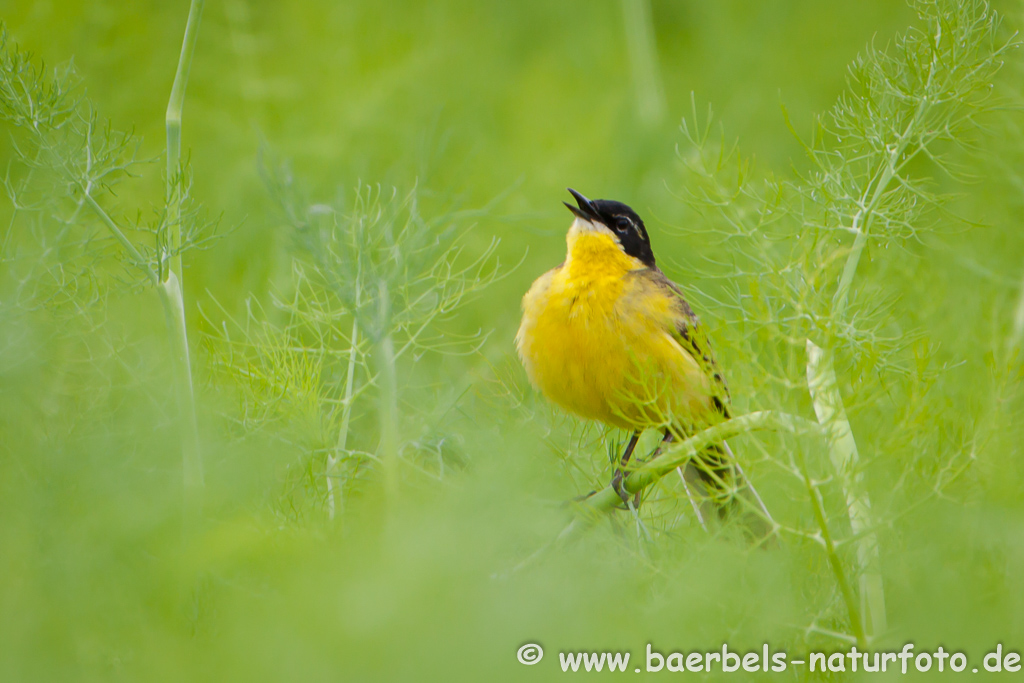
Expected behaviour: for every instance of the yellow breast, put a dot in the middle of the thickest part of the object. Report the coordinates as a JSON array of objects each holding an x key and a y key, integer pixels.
[{"x": 596, "y": 342}]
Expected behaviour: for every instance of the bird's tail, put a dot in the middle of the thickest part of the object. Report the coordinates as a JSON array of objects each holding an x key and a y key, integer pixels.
[{"x": 716, "y": 484}]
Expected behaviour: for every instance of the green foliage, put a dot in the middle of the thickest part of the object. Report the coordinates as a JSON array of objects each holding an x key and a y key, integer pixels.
[
  {"x": 69, "y": 160},
  {"x": 384, "y": 493},
  {"x": 876, "y": 161},
  {"x": 360, "y": 275}
]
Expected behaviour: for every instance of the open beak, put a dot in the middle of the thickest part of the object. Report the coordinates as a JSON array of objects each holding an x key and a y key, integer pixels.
[{"x": 586, "y": 209}]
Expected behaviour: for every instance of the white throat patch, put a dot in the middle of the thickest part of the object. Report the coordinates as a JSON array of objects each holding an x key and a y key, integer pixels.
[{"x": 582, "y": 226}]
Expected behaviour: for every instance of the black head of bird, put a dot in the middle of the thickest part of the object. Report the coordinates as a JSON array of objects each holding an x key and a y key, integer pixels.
[{"x": 620, "y": 220}]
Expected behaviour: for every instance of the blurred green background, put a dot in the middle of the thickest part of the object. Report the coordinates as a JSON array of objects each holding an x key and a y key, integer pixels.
[
  {"x": 471, "y": 100},
  {"x": 498, "y": 104}
]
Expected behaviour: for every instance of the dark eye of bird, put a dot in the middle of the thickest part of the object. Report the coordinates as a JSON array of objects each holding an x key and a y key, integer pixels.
[{"x": 622, "y": 224}]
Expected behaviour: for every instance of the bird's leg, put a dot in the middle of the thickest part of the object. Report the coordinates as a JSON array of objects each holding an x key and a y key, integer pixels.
[
  {"x": 618, "y": 476},
  {"x": 665, "y": 440}
]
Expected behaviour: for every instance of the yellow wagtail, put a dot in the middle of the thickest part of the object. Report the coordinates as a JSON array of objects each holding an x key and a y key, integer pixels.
[{"x": 608, "y": 336}]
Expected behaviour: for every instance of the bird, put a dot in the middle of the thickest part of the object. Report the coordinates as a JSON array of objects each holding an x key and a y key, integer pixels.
[{"x": 608, "y": 337}]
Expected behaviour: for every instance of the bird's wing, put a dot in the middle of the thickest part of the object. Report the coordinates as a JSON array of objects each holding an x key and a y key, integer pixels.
[{"x": 687, "y": 330}]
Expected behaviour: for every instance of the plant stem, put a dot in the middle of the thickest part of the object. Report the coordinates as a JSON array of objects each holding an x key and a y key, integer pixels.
[
  {"x": 388, "y": 399},
  {"x": 828, "y": 406},
  {"x": 172, "y": 281},
  {"x": 680, "y": 453},
  {"x": 346, "y": 415},
  {"x": 849, "y": 270},
  {"x": 868, "y": 208},
  {"x": 834, "y": 561},
  {"x": 172, "y": 120},
  {"x": 828, "y": 402},
  {"x": 191, "y": 455},
  {"x": 675, "y": 456},
  {"x": 119, "y": 235},
  {"x": 174, "y": 312},
  {"x": 862, "y": 225}
]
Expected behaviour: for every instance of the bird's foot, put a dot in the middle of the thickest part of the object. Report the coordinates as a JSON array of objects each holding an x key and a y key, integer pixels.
[{"x": 627, "y": 500}]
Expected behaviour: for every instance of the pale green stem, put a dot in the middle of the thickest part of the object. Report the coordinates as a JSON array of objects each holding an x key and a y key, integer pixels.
[
  {"x": 861, "y": 224},
  {"x": 862, "y": 220},
  {"x": 388, "y": 398},
  {"x": 849, "y": 270},
  {"x": 828, "y": 406},
  {"x": 172, "y": 281},
  {"x": 346, "y": 415},
  {"x": 643, "y": 58},
  {"x": 174, "y": 311},
  {"x": 856, "y": 620},
  {"x": 172, "y": 120},
  {"x": 135, "y": 254},
  {"x": 191, "y": 456}
]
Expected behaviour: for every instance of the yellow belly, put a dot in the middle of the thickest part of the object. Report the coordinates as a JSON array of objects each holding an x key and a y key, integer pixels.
[{"x": 602, "y": 350}]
